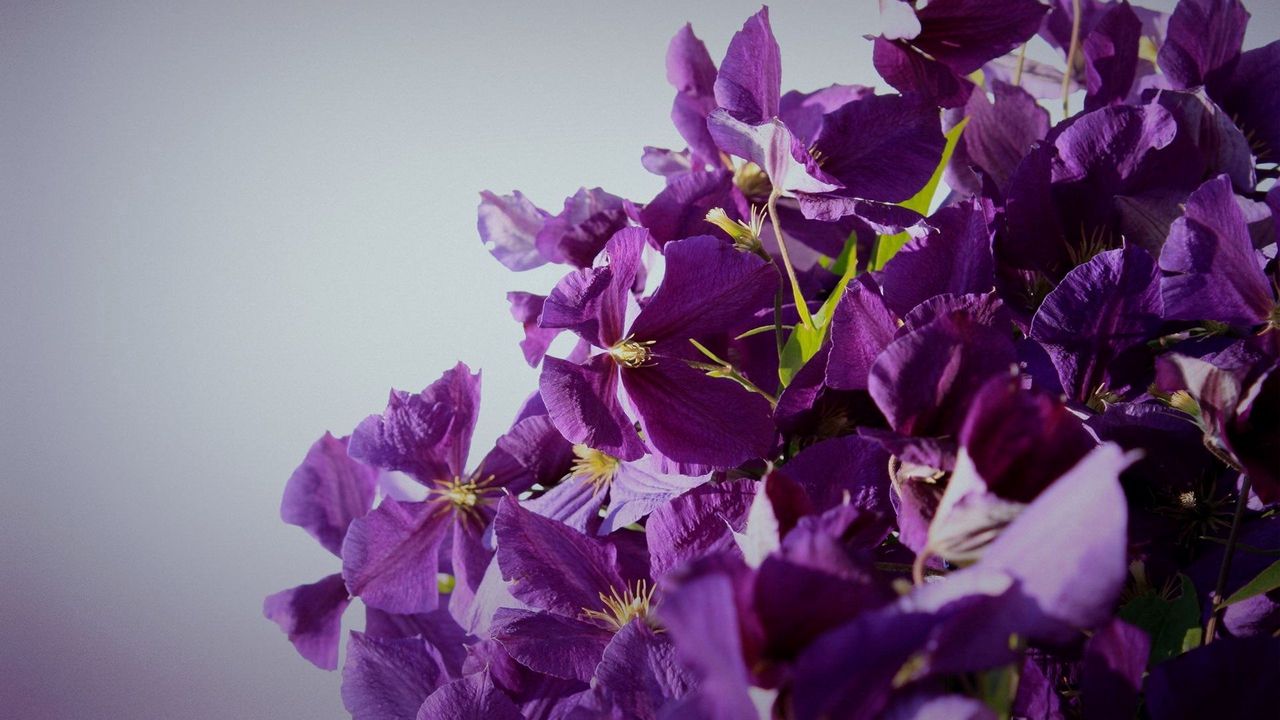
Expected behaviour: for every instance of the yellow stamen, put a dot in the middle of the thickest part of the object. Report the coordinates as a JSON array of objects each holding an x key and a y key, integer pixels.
[
  {"x": 619, "y": 609},
  {"x": 751, "y": 180},
  {"x": 631, "y": 353},
  {"x": 594, "y": 467}
]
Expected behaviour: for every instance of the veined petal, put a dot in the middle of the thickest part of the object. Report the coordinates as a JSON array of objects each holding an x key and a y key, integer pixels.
[
  {"x": 390, "y": 557},
  {"x": 509, "y": 225},
  {"x": 474, "y": 697},
  {"x": 593, "y": 301},
  {"x": 558, "y": 645},
  {"x": 327, "y": 491},
  {"x": 750, "y": 78},
  {"x": 311, "y": 615},
  {"x": 387, "y": 679},
  {"x": 582, "y": 401}
]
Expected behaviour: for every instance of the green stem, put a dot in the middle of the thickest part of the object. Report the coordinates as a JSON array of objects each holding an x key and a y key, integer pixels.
[
  {"x": 801, "y": 307},
  {"x": 1224, "y": 570},
  {"x": 1071, "y": 58}
]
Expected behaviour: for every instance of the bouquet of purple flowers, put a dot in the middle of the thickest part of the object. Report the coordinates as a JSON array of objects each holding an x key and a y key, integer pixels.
[{"x": 824, "y": 445}]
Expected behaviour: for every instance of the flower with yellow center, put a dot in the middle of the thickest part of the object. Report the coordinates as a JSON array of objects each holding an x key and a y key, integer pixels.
[
  {"x": 618, "y": 609},
  {"x": 631, "y": 353},
  {"x": 464, "y": 497},
  {"x": 594, "y": 467}
]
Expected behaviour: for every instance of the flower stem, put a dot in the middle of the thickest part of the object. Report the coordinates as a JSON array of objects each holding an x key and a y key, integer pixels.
[
  {"x": 1071, "y": 58},
  {"x": 1224, "y": 570},
  {"x": 1017, "y": 70},
  {"x": 801, "y": 307}
]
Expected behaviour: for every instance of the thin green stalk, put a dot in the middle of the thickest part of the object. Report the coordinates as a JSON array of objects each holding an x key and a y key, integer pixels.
[
  {"x": 1224, "y": 570},
  {"x": 801, "y": 307},
  {"x": 1071, "y": 58}
]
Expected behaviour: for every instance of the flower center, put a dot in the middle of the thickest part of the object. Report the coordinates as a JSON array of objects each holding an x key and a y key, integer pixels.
[
  {"x": 619, "y": 609},
  {"x": 751, "y": 180},
  {"x": 594, "y": 467},
  {"x": 631, "y": 353},
  {"x": 464, "y": 496}
]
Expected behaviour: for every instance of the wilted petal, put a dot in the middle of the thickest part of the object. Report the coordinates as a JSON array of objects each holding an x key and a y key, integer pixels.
[
  {"x": 582, "y": 401},
  {"x": 750, "y": 78},
  {"x": 509, "y": 225},
  {"x": 388, "y": 679},
  {"x": 427, "y": 435},
  {"x": 391, "y": 555},
  {"x": 561, "y": 646},
  {"x": 327, "y": 491},
  {"x": 582, "y": 228},
  {"x": 311, "y": 615},
  {"x": 474, "y": 697}
]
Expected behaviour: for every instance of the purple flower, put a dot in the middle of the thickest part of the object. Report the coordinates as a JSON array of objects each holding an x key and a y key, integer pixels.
[{"x": 522, "y": 236}]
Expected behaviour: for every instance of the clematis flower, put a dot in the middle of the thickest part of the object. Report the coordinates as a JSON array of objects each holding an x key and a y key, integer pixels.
[
  {"x": 392, "y": 556},
  {"x": 687, "y": 415},
  {"x": 323, "y": 496},
  {"x": 522, "y": 236}
]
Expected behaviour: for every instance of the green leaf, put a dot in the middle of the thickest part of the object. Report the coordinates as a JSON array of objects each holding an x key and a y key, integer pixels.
[
  {"x": 1266, "y": 581},
  {"x": 805, "y": 342},
  {"x": 1172, "y": 624},
  {"x": 889, "y": 245},
  {"x": 998, "y": 688}
]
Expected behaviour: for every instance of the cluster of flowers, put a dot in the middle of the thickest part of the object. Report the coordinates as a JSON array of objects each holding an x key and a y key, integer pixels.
[{"x": 1019, "y": 457}]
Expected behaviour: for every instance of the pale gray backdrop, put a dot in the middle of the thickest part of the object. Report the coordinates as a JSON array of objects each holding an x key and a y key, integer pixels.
[{"x": 226, "y": 227}]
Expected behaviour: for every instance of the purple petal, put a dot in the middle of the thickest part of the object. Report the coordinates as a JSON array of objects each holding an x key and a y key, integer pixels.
[
  {"x": 1252, "y": 97},
  {"x": 557, "y": 645},
  {"x": 311, "y": 615},
  {"x": 750, "y": 78},
  {"x": 582, "y": 401},
  {"x": 954, "y": 258},
  {"x": 1203, "y": 36},
  {"x": 1228, "y": 678},
  {"x": 582, "y": 228},
  {"x": 938, "y": 707},
  {"x": 803, "y": 112},
  {"x": 664, "y": 162},
  {"x": 1102, "y": 310},
  {"x": 842, "y": 470},
  {"x": 327, "y": 492},
  {"x": 908, "y": 71},
  {"x": 574, "y": 502},
  {"x": 965, "y": 34},
  {"x": 680, "y": 210},
  {"x": 641, "y": 487},
  {"x": 427, "y": 435},
  {"x": 639, "y": 673},
  {"x": 472, "y": 698},
  {"x": 509, "y": 225},
  {"x": 388, "y": 679},
  {"x": 1214, "y": 272},
  {"x": 558, "y": 568},
  {"x": 999, "y": 134},
  {"x": 881, "y": 147},
  {"x": 861, "y": 328},
  {"x": 538, "y": 455},
  {"x": 525, "y": 309},
  {"x": 691, "y": 417},
  {"x": 1115, "y": 659},
  {"x": 1111, "y": 56},
  {"x": 390, "y": 557},
  {"x": 697, "y": 524},
  {"x": 770, "y": 145},
  {"x": 692, "y": 72},
  {"x": 709, "y": 287},
  {"x": 593, "y": 301}
]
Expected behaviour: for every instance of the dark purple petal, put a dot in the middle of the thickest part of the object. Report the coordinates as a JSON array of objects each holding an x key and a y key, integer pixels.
[
  {"x": 1203, "y": 37},
  {"x": 953, "y": 258},
  {"x": 327, "y": 492},
  {"x": 750, "y": 78},
  {"x": 1206, "y": 130},
  {"x": 1115, "y": 659},
  {"x": 881, "y": 147},
  {"x": 1111, "y": 56},
  {"x": 709, "y": 287},
  {"x": 998, "y": 135},
  {"x": 1228, "y": 678},
  {"x": 1213, "y": 272},
  {"x": 582, "y": 228},
  {"x": 438, "y": 628},
  {"x": 582, "y": 401},
  {"x": 532, "y": 452},
  {"x": 842, "y": 470},
  {"x": 908, "y": 71},
  {"x": 427, "y": 435},
  {"x": 593, "y": 301},
  {"x": 697, "y": 524},
  {"x": 311, "y": 615},
  {"x": 472, "y": 698},
  {"x": 1103, "y": 310},
  {"x": 509, "y": 225},
  {"x": 1252, "y": 98},
  {"x": 803, "y": 112},
  {"x": 693, "y": 418},
  {"x": 965, "y": 34},
  {"x": 388, "y": 679},
  {"x": 525, "y": 309},
  {"x": 861, "y": 328},
  {"x": 390, "y": 557},
  {"x": 1255, "y": 435},
  {"x": 680, "y": 210},
  {"x": 693, "y": 74},
  {"x": 639, "y": 673},
  {"x": 558, "y": 645},
  {"x": 557, "y": 568}
]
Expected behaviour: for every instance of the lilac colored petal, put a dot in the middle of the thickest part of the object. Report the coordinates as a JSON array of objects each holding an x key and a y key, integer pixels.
[
  {"x": 525, "y": 309},
  {"x": 1212, "y": 270},
  {"x": 1202, "y": 37},
  {"x": 697, "y": 524},
  {"x": 709, "y": 287},
  {"x": 664, "y": 162},
  {"x": 938, "y": 707},
  {"x": 582, "y": 228},
  {"x": 1110, "y": 54},
  {"x": 492, "y": 593},
  {"x": 327, "y": 492},
  {"x": 803, "y": 112},
  {"x": 1042, "y": 80},
  {"x": 1228, "y": 678},
  {"x": 389, "y": 559},
  {"x": 388, "y": 679},
  {"x": 999, "y": 134},
  {"x": 908, "y": 71},
  {"x": 750, "y": 76},
  {"x": 953, "y": 258},
  {"x": 471, "y": 698},
  {"x": 1102, "y": 309},
  {"x": 1068, "y": 548},
  {"x": 1115, "y": 659},
  {"x": 311, "y": 615},
  {"x": 691, "y": 417},
  {"x": 509, "y": 225},
  {"x": 593, "y": 301},
  {"x": 558, "y": 568},
  {"x": 558, "y": 645},
  {"x": 680, "y": 210},
  {"x": 881, "y": 147},
  {"x": 582, "y": 401},
  {"x": 770, "y": 145},
  {"x": 923, "y": 381},
  {"x": 574, "y": 502},
  {"x": 898, "y": 20},
  {"x": 641, "y": 487},
  {"x": 884, "y": 218},
  {"x": 639, "y": 673},
  {"x": 693, "y": 74},
  {"x": 427, "y": 435},
  {"x": 849, "y": 469}
]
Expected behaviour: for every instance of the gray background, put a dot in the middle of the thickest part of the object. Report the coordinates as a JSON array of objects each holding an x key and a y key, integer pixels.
[{"x": 227, "y": 227}]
